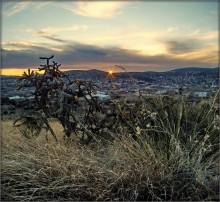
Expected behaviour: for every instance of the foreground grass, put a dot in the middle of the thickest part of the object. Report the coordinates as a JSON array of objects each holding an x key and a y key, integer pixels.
[{"x": 167, "y": 161}]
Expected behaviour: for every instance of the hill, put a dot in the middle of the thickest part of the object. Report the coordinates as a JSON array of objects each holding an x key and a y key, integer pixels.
[
  {"x": 93, "y": 74},
  {"x": 99, "y": 75}
]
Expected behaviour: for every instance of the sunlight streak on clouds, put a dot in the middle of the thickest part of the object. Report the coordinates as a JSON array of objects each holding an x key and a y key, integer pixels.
[
  {"x": 22, "y": 44},
  {"x": 15, "y": 7},
  {"x": 12, "y": 8},
  {"x": 98, "y": 9},
  {"x": 40, "y": 5},
  {"x": 63, "y": 29},
  {"x": 211, "y": 35},
  {"x": 48, "y": 35}
]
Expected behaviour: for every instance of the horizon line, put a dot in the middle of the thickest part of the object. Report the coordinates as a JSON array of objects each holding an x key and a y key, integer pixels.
[{"x": 20, "y": 71}]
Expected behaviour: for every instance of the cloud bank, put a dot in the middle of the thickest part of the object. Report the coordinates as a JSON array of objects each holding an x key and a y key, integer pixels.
[
  {"x": 75, "y": 55},
  {"x": 183, "y": 45}
]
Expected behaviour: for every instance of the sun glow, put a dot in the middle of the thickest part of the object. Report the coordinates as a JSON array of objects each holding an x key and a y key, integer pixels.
[
  {"x": 110, "y": 72},
  {"x": 14, "y": 71}
]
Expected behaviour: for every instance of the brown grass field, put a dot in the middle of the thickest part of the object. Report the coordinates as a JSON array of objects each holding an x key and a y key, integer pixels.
[{"x": 123, "y": 169}]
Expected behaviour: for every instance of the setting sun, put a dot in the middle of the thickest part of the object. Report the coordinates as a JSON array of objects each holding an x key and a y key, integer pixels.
[{"x": 110, "y": 72}]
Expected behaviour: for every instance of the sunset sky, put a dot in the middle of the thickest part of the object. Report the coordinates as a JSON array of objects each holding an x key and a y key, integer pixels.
[{"x": 139, "y": 35}]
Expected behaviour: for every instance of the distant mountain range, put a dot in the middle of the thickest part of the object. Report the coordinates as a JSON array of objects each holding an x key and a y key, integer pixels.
[
  {"x": 95, "y": 74},
  {"x": 98, "y": 74}
]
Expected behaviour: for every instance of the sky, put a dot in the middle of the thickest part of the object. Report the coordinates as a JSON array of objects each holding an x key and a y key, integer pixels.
[{"x": 138, "y": 35}]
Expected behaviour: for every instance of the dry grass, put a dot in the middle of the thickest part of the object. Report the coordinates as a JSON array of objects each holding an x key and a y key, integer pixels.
[{"x": 159, "y": 165}]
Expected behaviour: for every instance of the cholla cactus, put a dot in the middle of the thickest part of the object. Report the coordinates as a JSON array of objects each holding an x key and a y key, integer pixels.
[{"x": 57, "y": 96}]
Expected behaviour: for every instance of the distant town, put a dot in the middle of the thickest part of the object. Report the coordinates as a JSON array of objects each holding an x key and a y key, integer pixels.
[{"x": 195, "y": 83}]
